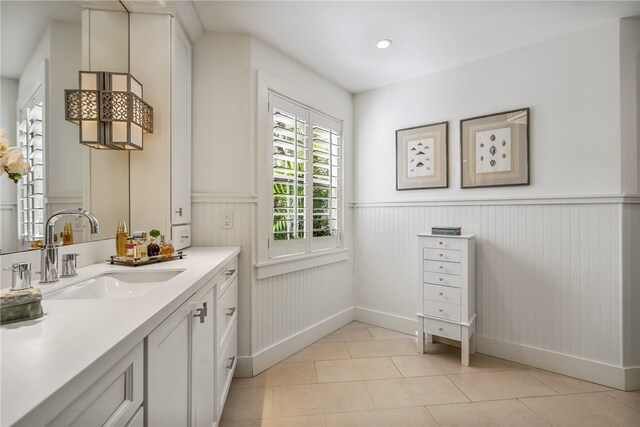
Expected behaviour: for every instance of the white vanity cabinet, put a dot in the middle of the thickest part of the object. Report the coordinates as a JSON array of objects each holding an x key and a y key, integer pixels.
[
  {"x": 161, "y": 172},
  {"x": 447, "y": 290}
]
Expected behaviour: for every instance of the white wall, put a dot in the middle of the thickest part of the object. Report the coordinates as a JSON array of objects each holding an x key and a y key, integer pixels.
[
  {"x": 225, "y": 103},
  {"x": 8, "y": 195},
  {"x": 549, "y": 276},
  {"x": 575, "y": 117},
  {"x": 630, "y": 104}
]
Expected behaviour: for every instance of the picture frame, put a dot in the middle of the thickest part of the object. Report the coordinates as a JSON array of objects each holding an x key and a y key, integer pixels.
[
  {"x": 494, "y": 149},
  {"x": 421, "y": 157}
]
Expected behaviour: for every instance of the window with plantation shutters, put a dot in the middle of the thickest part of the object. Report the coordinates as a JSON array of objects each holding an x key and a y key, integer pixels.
[{"x": 306, "y": 194}]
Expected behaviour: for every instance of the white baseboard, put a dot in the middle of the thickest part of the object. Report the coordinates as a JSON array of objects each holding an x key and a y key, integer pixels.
[
  {"x": 285, "y": 348},
  {"x": 386, "y": 320},
  {"x": 589, "y": 370}
]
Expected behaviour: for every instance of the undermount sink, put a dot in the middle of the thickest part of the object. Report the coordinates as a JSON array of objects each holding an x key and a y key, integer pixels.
[{"x": 115, "y": 284}]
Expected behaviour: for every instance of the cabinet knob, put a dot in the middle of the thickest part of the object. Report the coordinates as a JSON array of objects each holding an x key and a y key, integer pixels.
[
  {"x": 441, "y": 254},
  {"x": 440, "y": 243},
  {"x": 440, "y": 329},
  {"x": 440, "y": 293},
  {"x": 232, "y": 360},
  {"x": 231, "y": 311},
  {"x": 440, "y": 310},
  {"x": 441, "y": 267},
  {"x": 441, "y": 279}
]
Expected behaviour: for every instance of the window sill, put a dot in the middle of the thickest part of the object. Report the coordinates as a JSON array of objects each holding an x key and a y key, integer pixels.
[{"x": 289, "y": 264}]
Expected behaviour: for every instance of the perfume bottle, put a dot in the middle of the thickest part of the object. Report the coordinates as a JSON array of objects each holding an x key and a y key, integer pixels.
[
  {"x": 141, "y": 247},
  {"x": 131, "y": 247},
  {"x": 166, "y": 248},
  {"x": 67, "y": 234},
  {"x": 122, "y": 235},
  {"x": 153, "y": 249}
]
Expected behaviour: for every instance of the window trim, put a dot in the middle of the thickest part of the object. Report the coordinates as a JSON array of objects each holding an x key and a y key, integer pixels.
[{"x": 263, "y": 178}]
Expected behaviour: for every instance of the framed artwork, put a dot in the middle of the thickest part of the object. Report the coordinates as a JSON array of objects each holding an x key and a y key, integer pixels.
[
  {"x": 421, "y": 157},
  {"x": 495, "y": 149}
]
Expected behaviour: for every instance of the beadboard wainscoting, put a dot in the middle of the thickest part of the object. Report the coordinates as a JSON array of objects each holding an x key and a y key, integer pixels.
[
  {"x": 548, "y": 276},
  {"x": 631, "y": 280},
  {"x": 279, "y": 315}
]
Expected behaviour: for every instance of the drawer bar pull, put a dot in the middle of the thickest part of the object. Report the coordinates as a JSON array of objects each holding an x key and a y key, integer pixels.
[
  {"x": 232, "y": 360},
  {"x": 441, "y": 279},
  {"x": 201, "y": 312},
  {"x": 231, "y": 311},
  {"x": 230, "y": 272},
  {"x": 441, "y": 267}
]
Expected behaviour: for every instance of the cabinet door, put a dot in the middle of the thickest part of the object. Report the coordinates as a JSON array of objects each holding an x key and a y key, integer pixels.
[
  {"x": 168, "y": 370},
  {"x": 203, "y": 358},
  {"x": 180, "y": 126}
]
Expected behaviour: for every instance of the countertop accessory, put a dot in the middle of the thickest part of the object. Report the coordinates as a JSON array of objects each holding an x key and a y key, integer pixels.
[
  {"x": 446, "y": 231},
  {"x": 69, "y": 264},
  {"x": 134, "y": 262},
  {"x": 20, "y": 276},
  {"x": 17, "y": 305}
]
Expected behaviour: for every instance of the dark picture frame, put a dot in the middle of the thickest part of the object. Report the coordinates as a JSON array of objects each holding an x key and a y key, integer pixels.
[
  {"x": 494, "y": 149},
  {"x": 422, "y": 156}
]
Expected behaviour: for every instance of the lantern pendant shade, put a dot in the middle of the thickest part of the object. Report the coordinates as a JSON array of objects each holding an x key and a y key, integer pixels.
[{"x": 110, "y": 110}]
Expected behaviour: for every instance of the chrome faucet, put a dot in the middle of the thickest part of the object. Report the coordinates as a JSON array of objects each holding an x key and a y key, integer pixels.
[{"x": 49, "y": 252}]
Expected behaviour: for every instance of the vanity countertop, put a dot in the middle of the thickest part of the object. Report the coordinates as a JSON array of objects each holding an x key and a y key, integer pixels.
[{"x": 46, "y": 363}]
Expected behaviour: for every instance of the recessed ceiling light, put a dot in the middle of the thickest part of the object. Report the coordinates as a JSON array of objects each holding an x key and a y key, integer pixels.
[{"x": 384, "y": 43}]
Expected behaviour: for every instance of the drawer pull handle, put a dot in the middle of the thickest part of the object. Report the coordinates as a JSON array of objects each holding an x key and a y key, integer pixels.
[
  {"x": 440, "y": 293},
  {"x": 440, "y": 243},
  {"x": 201, "y": 312},
  {"x": 184, "y": 237},
  {"x": 231, "y": 311},
  {"x": 440, "y": 310},
  {"x": 441, "y": 254},
  {"x": 179, "y": 211},
  {"x": 440, "y": 329},
  {"x": 230, "y": 272},
  {"x": 232, "y": 360},
  {"x": 441, "y": 267},
  {"x": 441, "y": 279}
]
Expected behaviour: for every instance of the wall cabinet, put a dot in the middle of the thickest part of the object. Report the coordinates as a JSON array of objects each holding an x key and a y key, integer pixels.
[
  {"x": 447, "y": 289},
  {"x": 161, "y": 172}
]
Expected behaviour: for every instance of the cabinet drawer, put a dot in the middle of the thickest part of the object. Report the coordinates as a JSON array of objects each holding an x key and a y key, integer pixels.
[
  {"x": 226, "y": 276},
  {"x": 442, "y": 294},
  {"x": 226, "y": 367},
  {"x": 442, "y": 267},
  {"x": 181, "y": 235},
  {"x": 443, "y": 243},
  {"x": 113, "y": 399},
  {"x": 442, "y": 279},
  {"x": 442, "y": 255},
  {"x": 442, "y": 309},
  {"x": 442, "y": 329},
  {"x": 227, "y": 311}
]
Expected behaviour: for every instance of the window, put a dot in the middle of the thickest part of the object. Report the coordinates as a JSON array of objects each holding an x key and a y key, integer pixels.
[{"x": 306, "y": 166}]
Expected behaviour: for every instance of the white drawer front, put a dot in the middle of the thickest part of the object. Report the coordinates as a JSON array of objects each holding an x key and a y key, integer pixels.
[
  {"x": 442, "y": 329},
  {"x": 226, "y": 368},
  {"x": 443, "y": 243},
  {"x": 442, "y": 309},
  {"x": 226, "y": 276},
  {"x": 442, "y": 267},
  {"x": 442, "y": 255},
  {"x": 227, "y": 311},
  {"x": 442, "y": 294},
  {"x": 442, "y": 279},
  {"x": 181, "y": 235}
]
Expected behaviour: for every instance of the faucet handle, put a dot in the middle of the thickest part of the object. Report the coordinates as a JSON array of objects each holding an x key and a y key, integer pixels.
[{"x": 20, "y": 275}]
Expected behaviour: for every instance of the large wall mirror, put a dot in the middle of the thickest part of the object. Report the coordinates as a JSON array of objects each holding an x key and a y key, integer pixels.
[{"x": 42, "y": 50}]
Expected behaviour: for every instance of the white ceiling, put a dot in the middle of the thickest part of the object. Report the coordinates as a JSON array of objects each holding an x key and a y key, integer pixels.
[{"x": 338, "y": 39}]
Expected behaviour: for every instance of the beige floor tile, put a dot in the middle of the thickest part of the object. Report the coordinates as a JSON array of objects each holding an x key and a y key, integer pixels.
[
  {"x": 565, "y": 385},
  {"x": 408, "y": 392},
  {"x": 387, "y": 334},
  {"x": 402, "y": 417},
  {"x": 348, "y": 334},
  {"x": 500, "y": 385},
  {"x": 589, "y": 409},
  {"x": 306, "y": 421},
  {"x": 381, "y": 348},
  {"x": 248, "y": 403},
  {"x": 321, "y": 351},
  {"x": 320, "y": 399},
  {"x": 497, "y": 413},
  {"x": 431, "y": 364},
  {"x": 356, "y": 369},
  {"x": 290, "y": 373},
  {"x": 488, "y": 363},
  {"x": 356, "y": 324},
  {"x": 629, "y": 398}
]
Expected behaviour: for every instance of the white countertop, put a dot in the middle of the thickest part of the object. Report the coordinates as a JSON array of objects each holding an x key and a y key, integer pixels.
[{"x": 47, "y": 363}]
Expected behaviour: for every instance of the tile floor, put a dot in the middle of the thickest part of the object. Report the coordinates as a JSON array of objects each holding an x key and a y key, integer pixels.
[{"x": 365, "y": 376}]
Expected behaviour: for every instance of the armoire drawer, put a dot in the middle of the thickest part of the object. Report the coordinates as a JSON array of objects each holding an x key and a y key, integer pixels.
[
  {"x": 442, "y": 294},
  {"x": 442, "y": 329},
  {"x": 443, "y": 243},
  {"x": 442, "y": 255},
  {"x": 442, "y": 267},
  {"x": 442, "y": 310},
  {"x": 442, "y": 279}
]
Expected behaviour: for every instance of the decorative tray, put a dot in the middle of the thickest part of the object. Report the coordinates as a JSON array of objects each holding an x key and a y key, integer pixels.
[{"x": 134, "y": 262}]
